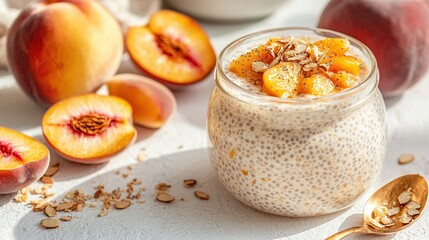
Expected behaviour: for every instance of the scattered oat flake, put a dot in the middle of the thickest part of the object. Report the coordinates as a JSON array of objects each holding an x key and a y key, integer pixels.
[
  {"x": 164, "y": 197},
  {"x": 201, "y": 195},
  {"x": 51, "y": 171},
  {"x": 70, "y": 195},
  {"x": 66, "y": 218},
  {"x": 123, "y": 204},
  {"x": 405, "y": 196},
  {"x": 380, "y": 211},
  {"x": 405, "y": 218},
  {"x": 406, "y": 158},
  {"x": 393, "y": 211},
  {"x": 386, "y": 221},
  {"x": 135, "y": 181},
  {"x": 375, "y": 223},
  {"x": 189, "y": 182},
  {"x": 79, "y": 207},
  {"x": 64, "y": 206},
  {"x": 48, "y": 194},
  {"x": 104, "y": 211},
  {"x": 50, "y": 211},
  {"x": 412, "y": 211},
  {"x": 162, "y": 186},
  {"x": 46, "y": 179},
  {"x": 39, "y": 205},
  {"x": 46, "y": 186},
  {"x": 413, "y": 205},
  {"x": 25, "y": 190},
  {"x": 98, "y": 193},
  {"x": 50, "y": 223},
  {"x": 53, "y": 204},
  {"x": 141, "y": 156}
]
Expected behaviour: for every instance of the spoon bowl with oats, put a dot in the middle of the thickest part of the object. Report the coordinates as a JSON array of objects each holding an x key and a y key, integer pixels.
[{"x": 392, "y": 208}]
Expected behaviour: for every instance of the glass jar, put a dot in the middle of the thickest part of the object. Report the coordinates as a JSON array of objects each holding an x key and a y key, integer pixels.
[{"x": 297, "y": 156}]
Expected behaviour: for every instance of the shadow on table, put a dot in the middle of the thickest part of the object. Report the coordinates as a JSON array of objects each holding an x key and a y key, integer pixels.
[
  {"x": 6, "y": 198},
  {"x": 191, "y": 100},
  {"x": 3, "y": 72},
  {"x": 392, "y": 101},
  {"x": 18, "y": 111},
  {"x": 220, "y": 217}
]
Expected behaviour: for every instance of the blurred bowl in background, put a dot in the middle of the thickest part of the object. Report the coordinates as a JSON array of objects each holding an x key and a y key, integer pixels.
[
  {"x": 132, "y": 12},
  {"x": 226, "y": 10}
]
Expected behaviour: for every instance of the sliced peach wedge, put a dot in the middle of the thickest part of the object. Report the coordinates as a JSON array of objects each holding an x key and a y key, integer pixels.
[
  {"x": 23, "y": 160},
  {"x": 89, "y": 128},
  {"x": 172, "y": 48},
  {"x": 152, "y": 102}
]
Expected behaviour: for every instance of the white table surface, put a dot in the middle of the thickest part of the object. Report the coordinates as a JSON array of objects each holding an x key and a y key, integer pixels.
[{"x": 178, "y": 151}]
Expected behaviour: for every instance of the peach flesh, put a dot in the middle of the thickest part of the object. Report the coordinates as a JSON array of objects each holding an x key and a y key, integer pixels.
[
  {"x": 152, "y": 102},
  {"x": 7, "y": 151},
  {"x": 58, "y": 49},
  {"x": 89, "y": 128},
  {"x": 176, "y": 49},
  {"x": 23, "y": 160},
  {"x": 172, "y": 48},
  {"x": 92, "y": 160}
]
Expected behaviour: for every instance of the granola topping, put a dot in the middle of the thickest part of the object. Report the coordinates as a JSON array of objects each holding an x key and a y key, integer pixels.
[
  {"x": 329, "y": 58},
  {"x": 404, "y": 213}
]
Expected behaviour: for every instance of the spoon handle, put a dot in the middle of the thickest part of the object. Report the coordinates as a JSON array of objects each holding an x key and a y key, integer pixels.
[{"x": 346, "y": 232}]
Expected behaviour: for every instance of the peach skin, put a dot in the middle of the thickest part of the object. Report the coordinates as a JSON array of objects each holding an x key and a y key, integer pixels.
[{"x": 58, "y": 49}]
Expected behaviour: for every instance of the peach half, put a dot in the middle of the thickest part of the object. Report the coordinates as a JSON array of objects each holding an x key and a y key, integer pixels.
[
  {"x": 62, "y": 48},
  {"x": 89, "y": 128},
  {"x": 152, "y": 102},
  {"x": 23, "y": 160},
  {"x": 172, "y": 48}
]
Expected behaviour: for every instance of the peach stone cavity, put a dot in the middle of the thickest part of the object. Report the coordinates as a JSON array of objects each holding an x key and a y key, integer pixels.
[{"x": 89, "y": 128}]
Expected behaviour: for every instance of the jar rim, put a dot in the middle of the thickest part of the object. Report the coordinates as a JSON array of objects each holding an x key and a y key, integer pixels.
[{"x": 318, "y": 32}]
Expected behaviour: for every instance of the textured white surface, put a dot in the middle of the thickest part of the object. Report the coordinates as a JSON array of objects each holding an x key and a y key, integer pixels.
[{"x": 222, "y": 217}]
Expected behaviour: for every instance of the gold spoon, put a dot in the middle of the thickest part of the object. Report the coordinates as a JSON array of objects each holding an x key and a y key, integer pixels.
[{"x": 388, "y": 194}]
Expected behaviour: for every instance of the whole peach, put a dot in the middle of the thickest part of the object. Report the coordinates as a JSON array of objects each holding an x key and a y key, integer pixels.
[
  {"x": 396, "y": 31},
  {"x": 61, "y": 48}
]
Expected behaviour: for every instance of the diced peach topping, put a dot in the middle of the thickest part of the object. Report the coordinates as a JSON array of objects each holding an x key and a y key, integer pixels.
[
  {"x": 344, "y": 80},
  {"x": 282, "y": 80},
  {"x": 343, "y": 63},
  {"x": 333, "y": 46},
  {"x": 242, "y": 66},
  {"x": 287, "y": 67},
  {"x": 317, "y": 85}
]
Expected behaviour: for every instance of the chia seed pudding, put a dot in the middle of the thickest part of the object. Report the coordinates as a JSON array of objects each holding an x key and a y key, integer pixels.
[{"x": 302, "y": 156}]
